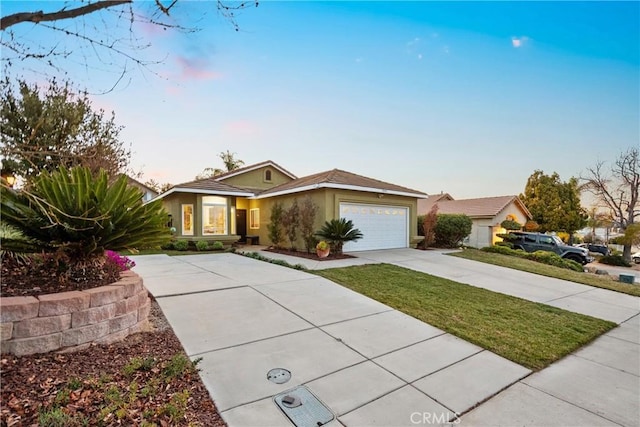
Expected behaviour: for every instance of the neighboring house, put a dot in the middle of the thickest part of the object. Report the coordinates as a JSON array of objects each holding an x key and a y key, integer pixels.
[
  {"x": 147, "y": 193},
  {"x": 486, "y": 214},
  {"x": 237, "y": 204}
]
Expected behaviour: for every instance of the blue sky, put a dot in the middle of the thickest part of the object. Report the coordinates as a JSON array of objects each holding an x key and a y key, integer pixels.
[{"x": 466, "y": 98}]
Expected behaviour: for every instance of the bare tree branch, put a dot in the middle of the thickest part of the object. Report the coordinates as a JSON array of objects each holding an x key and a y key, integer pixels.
[
  {"x": 40, "y": 16},
  {"x": 100, "y": 28},
  {"x": 619, "y": 192}
]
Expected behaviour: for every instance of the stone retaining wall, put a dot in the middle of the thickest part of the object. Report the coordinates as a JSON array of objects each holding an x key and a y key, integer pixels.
[{"x": 71, "y": 321}]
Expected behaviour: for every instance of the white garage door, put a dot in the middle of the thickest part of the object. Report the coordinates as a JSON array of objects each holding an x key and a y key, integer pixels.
[{"x": 383, "y": 227}]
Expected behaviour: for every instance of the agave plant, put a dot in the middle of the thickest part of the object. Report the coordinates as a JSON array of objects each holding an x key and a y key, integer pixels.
[
  {"x": 73, "y": 212},
  {"x": 339, "y": 231}
]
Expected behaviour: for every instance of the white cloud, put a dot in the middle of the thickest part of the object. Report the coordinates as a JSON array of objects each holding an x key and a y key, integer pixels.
[{"x": 519, "y": 41}]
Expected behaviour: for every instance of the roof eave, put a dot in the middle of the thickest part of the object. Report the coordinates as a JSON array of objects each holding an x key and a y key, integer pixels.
[
  {"x": 340, "y": 187},
  {"x": 202, "y": 191}
]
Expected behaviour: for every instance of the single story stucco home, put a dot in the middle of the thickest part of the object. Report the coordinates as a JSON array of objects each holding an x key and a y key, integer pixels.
[
  {"x": 486, "y": 213},
  {"x": 236, "y": 206}
]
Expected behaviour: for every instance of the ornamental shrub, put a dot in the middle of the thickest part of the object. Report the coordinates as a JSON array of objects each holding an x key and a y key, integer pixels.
[
  {"x": 616, "y": 260},
  {"x": 451, "y": 229},
  {"x": 68, "y": 218},
  {"x": 544, "y": 257},
  {"x": 339, "y": 231},
  {"x": 202, "y": 245},
  {"x": 426, "y": 227},
  {"x": 308, "y": 212},
  {"x": 509, "y": 224},
  {"x": 123, "y": 262},
  {"x": 275, "y": 226},
  {"x": 181, "y": 245},
  {"x": 71, "y": 211},
  {"x": 217, "y": 246},
  {"x": 500, "y": 249}
]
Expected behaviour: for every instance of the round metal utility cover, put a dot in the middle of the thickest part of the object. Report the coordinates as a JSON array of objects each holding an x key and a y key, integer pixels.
[{"x": 279, "y": 375}]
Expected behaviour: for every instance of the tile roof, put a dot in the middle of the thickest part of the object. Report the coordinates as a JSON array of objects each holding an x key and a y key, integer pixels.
[
  {"x": 481, "y": 207},
  {"x": 337, "y": 178},
  {"x": 425, "y": 205},
  {"x": 210, "y": 184}
]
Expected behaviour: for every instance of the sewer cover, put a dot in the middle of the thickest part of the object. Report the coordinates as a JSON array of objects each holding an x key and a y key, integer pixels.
[
  {"x": 279, "y": 375},
  {"x": 303, "y": 408}
]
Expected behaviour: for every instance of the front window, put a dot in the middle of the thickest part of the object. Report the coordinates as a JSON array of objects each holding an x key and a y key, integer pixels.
[
  {"x": 547, "y": 240},
  {"x": 214, "y": 215},
  {"x": 187, "y": 220},
  {"x": 254, "y": 219}
]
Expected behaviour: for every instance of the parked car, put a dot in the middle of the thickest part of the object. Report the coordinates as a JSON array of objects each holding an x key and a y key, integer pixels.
[
  {"x": 595, "y": 247},
  {"x": 636, "y": 257},
  {"x": 531, "y": 242}
]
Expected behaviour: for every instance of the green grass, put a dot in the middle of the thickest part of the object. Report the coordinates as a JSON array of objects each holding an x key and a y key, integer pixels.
[
  {"x": 530, "y": 334},
  {"x": 597, "y": 281}
]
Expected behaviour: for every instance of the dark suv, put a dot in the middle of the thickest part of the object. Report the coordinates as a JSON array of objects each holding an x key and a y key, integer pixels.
[
  {"x": 594, "y": 247},
  {"x": 531, "y": 242}
]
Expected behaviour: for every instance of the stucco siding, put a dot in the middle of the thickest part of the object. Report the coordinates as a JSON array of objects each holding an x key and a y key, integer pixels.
[
  {"x": 481, "y": 232},
  {"x": 318, "y": 197},
  {"x": 256, "y": 179},
  {"x": 173, "y": 205},
  {"x": 328, "y": 202}
]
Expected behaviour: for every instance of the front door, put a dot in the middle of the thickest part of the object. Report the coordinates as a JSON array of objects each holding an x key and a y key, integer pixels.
[{"x": 241, "y": 224}]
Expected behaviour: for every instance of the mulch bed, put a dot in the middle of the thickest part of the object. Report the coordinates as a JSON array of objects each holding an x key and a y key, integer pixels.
[
  {"x": 308, "y": 255},
  {"x": 106, "y": 386},
  {"x": 39, "y": 278}
]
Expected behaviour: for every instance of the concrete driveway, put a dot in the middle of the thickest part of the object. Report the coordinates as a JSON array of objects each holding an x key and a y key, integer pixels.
[{"x": 372, "y": 365}]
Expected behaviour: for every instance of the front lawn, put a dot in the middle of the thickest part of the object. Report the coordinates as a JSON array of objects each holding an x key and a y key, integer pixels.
[
  {"x": 597, "y": 281},
  {"x": 531, "y": 334}
]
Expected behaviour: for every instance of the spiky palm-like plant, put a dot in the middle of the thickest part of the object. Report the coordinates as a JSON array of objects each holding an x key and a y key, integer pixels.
[
  {"x": 339, "y": 231},
  {"x": 79, "y": 215}
]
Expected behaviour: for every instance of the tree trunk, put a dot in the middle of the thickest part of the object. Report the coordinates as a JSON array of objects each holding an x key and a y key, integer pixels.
[{"x": 626, "y": 252}]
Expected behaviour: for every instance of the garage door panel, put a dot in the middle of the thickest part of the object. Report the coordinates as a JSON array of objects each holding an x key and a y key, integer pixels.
[{"x": 383, "y": 227}]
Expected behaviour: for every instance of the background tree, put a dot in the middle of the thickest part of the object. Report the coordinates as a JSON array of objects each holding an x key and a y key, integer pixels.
[
  {"x": 554, "y": 205},
  {"x": 598, "y": 219},
  {"x": 230, "y": 163},
  {"x": 618, "y": 189},
  {"x": 43, "y": 129},
  {"x": 158, "y": 187},
  {"x": 112, "y": 32}
]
